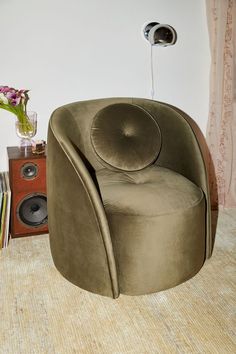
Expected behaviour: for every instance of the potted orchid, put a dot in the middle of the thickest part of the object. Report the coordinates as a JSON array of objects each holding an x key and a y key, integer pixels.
[{"x": 15, "y": 101}]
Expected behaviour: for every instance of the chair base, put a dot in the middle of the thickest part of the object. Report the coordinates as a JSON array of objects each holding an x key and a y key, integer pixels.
[{"x": 157, "y": 253}]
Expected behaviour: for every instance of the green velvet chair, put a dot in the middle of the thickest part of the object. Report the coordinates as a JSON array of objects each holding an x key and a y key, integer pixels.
[{"x": 128, "y": 199}]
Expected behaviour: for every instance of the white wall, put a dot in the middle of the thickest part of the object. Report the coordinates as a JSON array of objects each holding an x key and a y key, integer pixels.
[{"x": 65, "y": 51}]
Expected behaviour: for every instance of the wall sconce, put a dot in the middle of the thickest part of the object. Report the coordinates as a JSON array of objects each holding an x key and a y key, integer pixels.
[{"x": 160, "y": 34}]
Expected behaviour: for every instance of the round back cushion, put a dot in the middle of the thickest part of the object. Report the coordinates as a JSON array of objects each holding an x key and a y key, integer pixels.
[{"x": 125, "y": 137}]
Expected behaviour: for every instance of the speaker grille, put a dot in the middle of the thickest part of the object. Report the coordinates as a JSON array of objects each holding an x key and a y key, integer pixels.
[{"x": 32, "y": 210}]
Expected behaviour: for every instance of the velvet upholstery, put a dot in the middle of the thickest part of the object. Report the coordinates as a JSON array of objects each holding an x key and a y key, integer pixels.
[
  {"x": 176, "y": 210},
  {"x": 119, "y": 137},
  {"x": 119, "y": 231},
  {"x": 162, "y": 190}
]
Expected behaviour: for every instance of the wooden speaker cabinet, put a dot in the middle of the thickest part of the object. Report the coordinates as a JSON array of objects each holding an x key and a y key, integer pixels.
[{"x": 27, "y": 173}]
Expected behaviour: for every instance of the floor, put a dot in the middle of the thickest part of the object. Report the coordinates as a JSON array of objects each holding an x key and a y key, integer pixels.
[{"x": 41, "y": 312}]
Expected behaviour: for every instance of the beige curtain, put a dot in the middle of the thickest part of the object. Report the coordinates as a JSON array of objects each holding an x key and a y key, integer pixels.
[{"x": 221, "y": 130}]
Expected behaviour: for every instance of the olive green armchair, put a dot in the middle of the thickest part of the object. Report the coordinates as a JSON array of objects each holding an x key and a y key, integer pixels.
[{"x": 128, "y": 199}]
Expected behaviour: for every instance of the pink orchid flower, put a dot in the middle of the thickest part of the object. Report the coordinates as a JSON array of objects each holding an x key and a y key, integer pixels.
[{"x": 14, "y": 101}]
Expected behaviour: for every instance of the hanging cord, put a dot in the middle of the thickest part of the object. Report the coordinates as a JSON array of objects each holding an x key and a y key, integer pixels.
[{"x": 152, "y": 74}]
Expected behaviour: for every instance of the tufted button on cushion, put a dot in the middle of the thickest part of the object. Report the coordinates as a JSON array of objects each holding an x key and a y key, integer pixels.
[{"x": 126, "y": 137}]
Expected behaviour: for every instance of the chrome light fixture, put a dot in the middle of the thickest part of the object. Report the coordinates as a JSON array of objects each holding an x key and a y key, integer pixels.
[{"x": 160, "y": 34}]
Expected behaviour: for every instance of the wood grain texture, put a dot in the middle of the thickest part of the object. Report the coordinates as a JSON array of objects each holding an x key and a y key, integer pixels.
[
  {"x": 23, "y": 188},
  {"x": 41, "y": 312}
]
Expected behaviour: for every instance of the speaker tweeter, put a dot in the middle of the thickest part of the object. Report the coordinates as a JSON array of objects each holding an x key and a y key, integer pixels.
[{"x": 29, "y": 170}]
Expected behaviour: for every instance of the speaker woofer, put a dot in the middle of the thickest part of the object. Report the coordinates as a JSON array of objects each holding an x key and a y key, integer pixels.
[{"x": 32, "y": 210}]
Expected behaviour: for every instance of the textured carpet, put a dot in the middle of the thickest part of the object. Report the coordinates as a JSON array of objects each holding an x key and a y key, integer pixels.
[{"x": 41, "y": 312}]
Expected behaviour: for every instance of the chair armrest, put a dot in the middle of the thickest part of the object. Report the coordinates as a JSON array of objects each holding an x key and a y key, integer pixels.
[
  {"x": 79, "y": 234},
  {"x": 183, "y": 150}
]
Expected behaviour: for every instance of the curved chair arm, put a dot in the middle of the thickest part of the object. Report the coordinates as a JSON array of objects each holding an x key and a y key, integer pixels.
[
  {"x": 184, "y": 150},
  {"x": 79, "y": 234}
]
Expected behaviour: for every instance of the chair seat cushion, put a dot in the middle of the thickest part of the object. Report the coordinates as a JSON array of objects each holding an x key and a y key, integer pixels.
[{"x": 152, "y": 191}]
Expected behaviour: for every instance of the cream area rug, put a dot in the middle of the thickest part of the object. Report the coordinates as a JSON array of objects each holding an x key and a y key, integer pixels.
[{"x": 41, "y": 312}]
